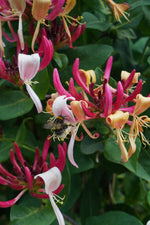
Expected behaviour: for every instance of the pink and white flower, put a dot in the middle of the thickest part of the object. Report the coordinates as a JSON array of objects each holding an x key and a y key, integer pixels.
[
  {"x": 28, "y": 67},
  {"x": 32, "y": 178}
]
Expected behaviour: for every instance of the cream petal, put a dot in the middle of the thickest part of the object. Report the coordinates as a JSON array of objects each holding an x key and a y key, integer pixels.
[
  {"x": 52, "y": 179},
  {"x": 70, "y": 147},
  {"x": 60, "y": 107},
  {"x": 28, "y": 65},
  {"x": 58, "y": 214},
  {"x": 34, "y": 98}
]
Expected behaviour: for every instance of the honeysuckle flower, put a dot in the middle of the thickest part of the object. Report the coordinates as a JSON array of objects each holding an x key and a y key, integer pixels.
[
  {"x": 40, "y": 12},
  {"x": 28, "y": 67},
  {"x": 18, "y": 7},
  {"x": 129, "y": 79},
  {"x": 61, "y": 108},
  {"x": 69, "y": 5},
  {"x": 61, "y": 38},
  {"x": 142, "y": 104},
  {"x": 25, "y": 176},
  {"x": 52, "y": 179},
  {"x": 118, "y": 9},
  {"x": 117, "y": 121},
  {"x": 70, "y": 116}
]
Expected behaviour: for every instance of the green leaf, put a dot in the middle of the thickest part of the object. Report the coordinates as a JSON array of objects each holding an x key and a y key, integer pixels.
[
  {"x": 90, "y": 201},
  {"x": 89, "y": 146},
  {"x": 14, "y": 104},
  {"x": 91, "y": 56},
  {"x": 74, "y": 193},
  {"x": 124, "y": 33},
  {"x": 31, "y": 215},
  {"x": 148, "y": 197},
  {"x": 60, "y": 59},
  {"x": 21, "y": 132},
  {"x": 114, "y": 218},
  {"x": 93, "y": 22},
  {"x": 137, "y": 164}
]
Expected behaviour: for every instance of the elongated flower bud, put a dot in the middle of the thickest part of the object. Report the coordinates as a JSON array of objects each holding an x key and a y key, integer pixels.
[{"x": 40, "y": 9}]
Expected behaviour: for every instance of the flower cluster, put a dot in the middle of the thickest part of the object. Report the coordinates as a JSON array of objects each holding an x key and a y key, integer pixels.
[
  {"x": 109, "y": 103},
  {"x": 25, "y": 66},
  {"x": 50, "y": 28},
  {"x": 32, "y": 178}
]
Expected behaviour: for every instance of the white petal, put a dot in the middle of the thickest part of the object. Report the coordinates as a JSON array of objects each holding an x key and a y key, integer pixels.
[
  {"x": 60, "y": 108},
  {"x": 148, "y": 223},
  {"x": 34, "y": 98},
  {"x": 70, "y": 148},
  {"x": 28, "y": 65},
  {"x": 51, "y": 178},
  {"x": 58, "y": 214}
]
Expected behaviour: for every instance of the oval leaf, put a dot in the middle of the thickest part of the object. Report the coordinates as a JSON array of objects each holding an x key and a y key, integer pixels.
[{"x": 14, "y": 104}]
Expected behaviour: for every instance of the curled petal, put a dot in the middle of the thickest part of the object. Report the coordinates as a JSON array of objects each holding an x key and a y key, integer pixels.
[
  {"x": 122, "y": 146},
  {"x": 118, "y": 119},
  {"x": 132, "y": 138},
  {"x": 17, "y": 5},
  {"x": 60, "y": 107},
  {"x": 142, "y": 104},
  {"x": 70, "y": 148},
  {"x": 28, "y": 65},
  {"x": 77, "y": 110},
  {"x": 34, "y": 98},
  {"x": 52, "y": 179}
]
